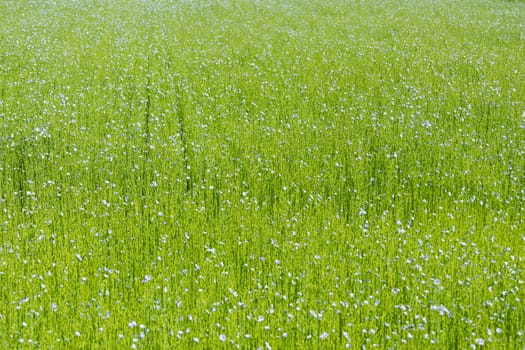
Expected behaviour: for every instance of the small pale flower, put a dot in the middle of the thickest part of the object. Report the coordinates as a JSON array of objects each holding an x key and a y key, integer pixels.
[{"x": 147, "y": 278}]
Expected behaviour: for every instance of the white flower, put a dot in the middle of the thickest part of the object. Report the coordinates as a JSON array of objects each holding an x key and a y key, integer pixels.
[
  {"x": 147, "y": 278},
  {"x": 442, "y": 309},
  {"x": 426, "y": 124},
  {"x": 222, "y": 337}
]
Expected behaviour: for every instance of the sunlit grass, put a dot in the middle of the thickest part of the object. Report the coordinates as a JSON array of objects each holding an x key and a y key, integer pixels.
[{"x": 256, "y": 174}]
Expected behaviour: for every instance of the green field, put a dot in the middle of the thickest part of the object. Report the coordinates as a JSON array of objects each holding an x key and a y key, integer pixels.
[{"x": 283, "y": 174}]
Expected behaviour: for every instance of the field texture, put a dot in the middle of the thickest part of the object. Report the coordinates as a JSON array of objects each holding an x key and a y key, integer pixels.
[{"x": 262, "y": 174}]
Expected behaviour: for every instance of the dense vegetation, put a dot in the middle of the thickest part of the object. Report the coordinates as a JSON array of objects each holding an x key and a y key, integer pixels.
[{"x": 262, "y": 174}]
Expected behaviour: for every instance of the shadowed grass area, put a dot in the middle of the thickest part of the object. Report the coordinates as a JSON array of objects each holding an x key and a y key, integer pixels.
[{"x": 256, "y": 174}]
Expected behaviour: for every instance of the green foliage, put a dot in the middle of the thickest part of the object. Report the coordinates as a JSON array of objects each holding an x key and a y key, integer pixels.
[{"x": 256, "y": 174}]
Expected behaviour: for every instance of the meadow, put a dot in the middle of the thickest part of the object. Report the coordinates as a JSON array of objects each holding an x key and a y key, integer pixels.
[{"x": 262, "y": 174}]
